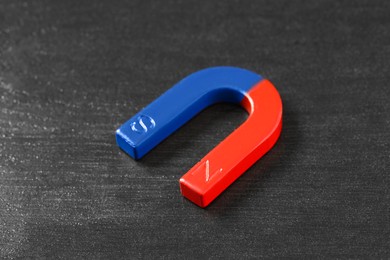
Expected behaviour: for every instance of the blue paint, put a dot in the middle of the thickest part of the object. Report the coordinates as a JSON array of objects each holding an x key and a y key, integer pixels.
[{"x": 182, "y": 102}]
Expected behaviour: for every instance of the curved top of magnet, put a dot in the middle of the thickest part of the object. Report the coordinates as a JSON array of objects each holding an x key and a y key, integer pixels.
[
  {"x": 202, "y": 89},
  {"x": 216, "y": 78}
]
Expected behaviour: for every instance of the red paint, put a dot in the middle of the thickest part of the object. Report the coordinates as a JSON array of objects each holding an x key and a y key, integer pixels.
[{"x": 240, "y": 150}]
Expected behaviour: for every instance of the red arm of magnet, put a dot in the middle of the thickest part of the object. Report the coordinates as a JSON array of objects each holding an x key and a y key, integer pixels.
[{"x": 240, "y": 150}]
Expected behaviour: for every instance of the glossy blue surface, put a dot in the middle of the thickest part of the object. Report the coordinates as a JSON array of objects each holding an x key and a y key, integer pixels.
[{"x": 179, "y": 104}]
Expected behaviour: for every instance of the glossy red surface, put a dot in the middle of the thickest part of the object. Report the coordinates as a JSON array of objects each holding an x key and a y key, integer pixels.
[{"x": 240, "y": 150}]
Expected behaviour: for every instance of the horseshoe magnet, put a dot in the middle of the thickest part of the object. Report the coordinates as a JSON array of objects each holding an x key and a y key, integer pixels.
[{"x": 234, "y": 155}]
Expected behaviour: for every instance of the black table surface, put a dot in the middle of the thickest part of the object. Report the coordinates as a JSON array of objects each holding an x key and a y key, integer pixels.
[{"x": 72, "y": 71}]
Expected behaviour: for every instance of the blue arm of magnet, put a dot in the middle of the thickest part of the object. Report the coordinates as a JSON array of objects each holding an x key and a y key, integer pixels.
[{"x": 182, "y": 102}]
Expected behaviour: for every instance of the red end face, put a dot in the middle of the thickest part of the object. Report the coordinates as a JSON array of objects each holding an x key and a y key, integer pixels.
[{"x": 240, "y": 150}]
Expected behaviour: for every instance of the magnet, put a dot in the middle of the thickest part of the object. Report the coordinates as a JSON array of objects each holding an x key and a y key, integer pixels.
[{"x": 234, "y": 155}]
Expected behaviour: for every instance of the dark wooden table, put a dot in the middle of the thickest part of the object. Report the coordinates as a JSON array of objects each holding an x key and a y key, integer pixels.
[{"x": 72, "y": 71}]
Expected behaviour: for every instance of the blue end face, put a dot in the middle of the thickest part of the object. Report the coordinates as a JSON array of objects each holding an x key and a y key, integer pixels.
[{"x": 182, "y": 102}]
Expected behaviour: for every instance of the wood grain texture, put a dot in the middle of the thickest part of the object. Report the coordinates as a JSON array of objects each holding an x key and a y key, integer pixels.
[{"x": 72, "y": 71}]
